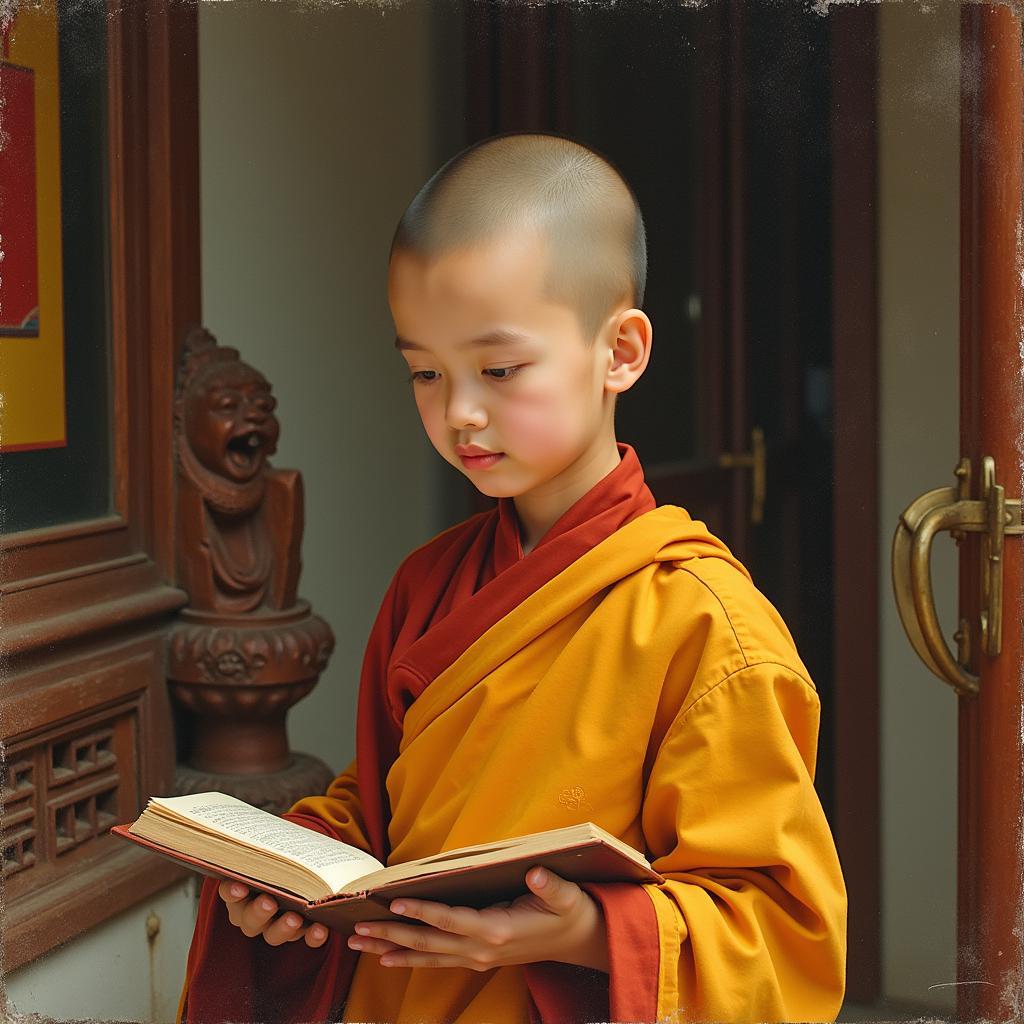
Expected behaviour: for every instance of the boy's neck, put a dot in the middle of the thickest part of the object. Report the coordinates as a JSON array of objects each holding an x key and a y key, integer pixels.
[{"x": 539, "y": 510}]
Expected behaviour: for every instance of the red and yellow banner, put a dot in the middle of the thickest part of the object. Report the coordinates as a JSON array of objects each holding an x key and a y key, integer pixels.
[{"x": 31, "y": 273}]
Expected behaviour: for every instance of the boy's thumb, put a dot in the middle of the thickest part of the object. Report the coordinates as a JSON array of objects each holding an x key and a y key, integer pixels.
[{"x": 555, "y": 891}]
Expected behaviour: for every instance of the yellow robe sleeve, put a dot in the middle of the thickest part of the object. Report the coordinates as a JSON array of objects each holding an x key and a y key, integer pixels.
[
  {"x": 752, "y": 918},
  {"x": 339, "y": 808}
]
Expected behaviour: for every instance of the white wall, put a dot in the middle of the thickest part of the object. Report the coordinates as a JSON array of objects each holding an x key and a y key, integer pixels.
[
  {"x": 316, "y": 132},
  {"x": 317, "y": 127},
  {"x": 919, "y": 167},
  {"x": 116, "y": 971}
]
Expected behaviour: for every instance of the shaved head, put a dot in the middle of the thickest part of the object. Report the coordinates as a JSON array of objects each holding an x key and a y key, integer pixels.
[{"x": 567, "y": 193}]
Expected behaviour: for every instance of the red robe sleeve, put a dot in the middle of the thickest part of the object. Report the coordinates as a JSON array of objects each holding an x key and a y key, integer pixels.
[
  {"x": 231, "y": 977},
  {"x": 567, "y": 994}
]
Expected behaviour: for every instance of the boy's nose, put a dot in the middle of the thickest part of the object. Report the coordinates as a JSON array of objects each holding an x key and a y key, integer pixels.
[
  {"x": 463, "y": 411},
  {"x": 466, "y": 420}
]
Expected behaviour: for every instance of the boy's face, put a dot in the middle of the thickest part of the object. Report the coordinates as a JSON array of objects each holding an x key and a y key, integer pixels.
[{"x": 540, "y": 404}]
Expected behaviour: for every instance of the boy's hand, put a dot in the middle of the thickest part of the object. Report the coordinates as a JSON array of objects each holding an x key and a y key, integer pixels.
[
  {"x": 556, "y": 920},
  {"x": 255, "y": 916}
]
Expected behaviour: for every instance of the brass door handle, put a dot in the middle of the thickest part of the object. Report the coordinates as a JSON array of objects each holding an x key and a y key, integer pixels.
[
  {"x": 949, "y": 508},
  {"x": 755, "y": 460}
]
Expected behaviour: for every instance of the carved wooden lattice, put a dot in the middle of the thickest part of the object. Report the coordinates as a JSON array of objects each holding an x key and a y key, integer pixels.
[
  {"x": 65, "y": 788},
  {"x": 19, "y": 790},
  {"x": 83, "y": 771}
]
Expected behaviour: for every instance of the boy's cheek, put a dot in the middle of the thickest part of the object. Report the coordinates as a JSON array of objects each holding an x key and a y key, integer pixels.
[
  {"x": 532, "y": 425},
  {"x": 539, "y": 426},
  {"x": 439, "y": 433},
  {"x": 432, "y": 418}
]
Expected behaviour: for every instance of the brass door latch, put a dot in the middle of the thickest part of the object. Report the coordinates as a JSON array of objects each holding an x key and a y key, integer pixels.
[
  {"x": 755, "y": 460},
  {"x": 950, "y": 508}
]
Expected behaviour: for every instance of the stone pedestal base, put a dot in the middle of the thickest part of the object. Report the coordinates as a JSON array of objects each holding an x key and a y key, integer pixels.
[{"x": 305, "y": 775}]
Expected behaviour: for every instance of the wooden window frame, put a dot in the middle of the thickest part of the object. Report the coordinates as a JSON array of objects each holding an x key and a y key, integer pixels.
[{"x": 86, "y": 605}]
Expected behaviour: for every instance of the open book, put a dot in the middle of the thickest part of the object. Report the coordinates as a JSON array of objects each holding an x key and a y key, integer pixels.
[{"x": 330, "y": 881}]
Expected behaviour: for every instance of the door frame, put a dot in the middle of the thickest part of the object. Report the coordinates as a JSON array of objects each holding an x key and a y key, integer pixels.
[
  {"x": 87, "y": 604},
  {"x": 855, "y": 717},
  {"x": 991, "y": 754},
  {"x": 851, "y": 725}
]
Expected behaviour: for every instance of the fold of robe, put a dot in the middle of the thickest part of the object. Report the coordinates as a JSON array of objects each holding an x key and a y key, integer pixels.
[{"x": 640, "y": 682}]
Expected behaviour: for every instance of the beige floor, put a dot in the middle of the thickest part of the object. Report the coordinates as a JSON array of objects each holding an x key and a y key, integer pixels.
[{"x": 854, "y": 1012}]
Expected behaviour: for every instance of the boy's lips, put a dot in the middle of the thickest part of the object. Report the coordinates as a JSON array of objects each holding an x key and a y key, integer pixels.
[
  {"x": 472, "y": 449},
  {"x": 480, "y": 461}
]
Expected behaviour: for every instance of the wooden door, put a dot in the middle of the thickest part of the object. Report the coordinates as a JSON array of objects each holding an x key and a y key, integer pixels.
[
  {"x": 991, "y": 788},
  {"x": 850, "y": 744},
  {"x": 733, "y": 184},
  {"x": 984, "y": 667},
  {"x": 545, "y": 69}
]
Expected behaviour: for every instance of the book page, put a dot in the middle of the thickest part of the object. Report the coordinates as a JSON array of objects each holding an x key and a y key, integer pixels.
[{"x": 336, "y": 862}]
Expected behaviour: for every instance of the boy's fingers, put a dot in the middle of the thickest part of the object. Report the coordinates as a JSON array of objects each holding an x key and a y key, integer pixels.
[
  {"x": 232, "y": 892},
  {"x": 286, "y": 928},
  {"x": 558, "y": 893},
  {"x": 460, "y": 921},
  {"x": 237, "y": 909},
  {"x": 256, "y": 914},
  {"x": 364, "y": 944}
]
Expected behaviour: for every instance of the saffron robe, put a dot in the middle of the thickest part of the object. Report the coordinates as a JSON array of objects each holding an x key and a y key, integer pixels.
[{"x": 626, "y": 672}]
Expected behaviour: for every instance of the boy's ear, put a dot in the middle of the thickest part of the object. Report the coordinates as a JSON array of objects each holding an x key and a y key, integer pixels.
[{"x": 629, "y": 349}]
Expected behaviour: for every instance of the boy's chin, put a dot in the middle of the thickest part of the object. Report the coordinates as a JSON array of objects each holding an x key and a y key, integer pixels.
[
  {"x": 494, "y": 490},
  {"x": 492, "y": 486}
]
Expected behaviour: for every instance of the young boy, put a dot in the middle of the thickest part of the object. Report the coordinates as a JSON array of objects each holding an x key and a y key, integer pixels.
[{"x": 574, "y": 654}]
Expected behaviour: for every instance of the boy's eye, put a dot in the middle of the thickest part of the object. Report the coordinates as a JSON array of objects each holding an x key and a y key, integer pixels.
[
  {"x": 507, "y": 372},
  {"x": 503, "y": 373}
]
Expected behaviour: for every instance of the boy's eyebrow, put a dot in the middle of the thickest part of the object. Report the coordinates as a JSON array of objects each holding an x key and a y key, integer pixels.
[{"x": 499, "y": 336}]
